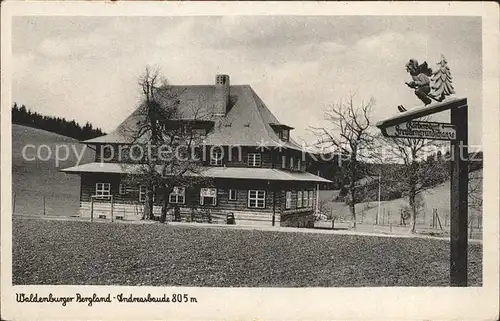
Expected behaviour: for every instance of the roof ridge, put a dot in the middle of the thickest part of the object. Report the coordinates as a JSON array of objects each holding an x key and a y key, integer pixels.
[
  {"x": 291, "y": 141},
  {"x": 267, "y": 126}
]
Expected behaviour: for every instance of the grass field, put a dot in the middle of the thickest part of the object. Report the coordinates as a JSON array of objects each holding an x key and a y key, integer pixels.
[
  {"x": 69, "y": 252},
  {"x": 34, "y": 180}
]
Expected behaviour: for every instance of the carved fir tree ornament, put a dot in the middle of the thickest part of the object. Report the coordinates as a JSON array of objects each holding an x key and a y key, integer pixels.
[
  {"x": 441, "y": 81},
  {"x": 428, "y": 85}
]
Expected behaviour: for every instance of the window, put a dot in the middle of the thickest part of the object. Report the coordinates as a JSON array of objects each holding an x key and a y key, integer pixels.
[
  {"x": 136, "y": 153},
  {"x": 288, "y": 200},
  {"x": 254, "y": 159},
  {"x": 178, "y": 196},
  {"x": 164, "y": 154},
  {"x": 167, "y": 170},
  {"x": 208, "y": 196},
  {"x": 291, "y": 162},
  {"x": 122, "y": 189},
  {"x": 305, "y": 199},
  {"x": 199, "y": 132},
  {"x": 216, "y": 157},
  {"x": 299, "y": 199},
  {"x": 283, "y": 161},
  {"x": 103, "y": 190},
  {"x": 232, "y": 195},
  {"x": 142, "y": 193},
  {"x": 256, "y": 198},
  {"x": 285, "y": 135}
]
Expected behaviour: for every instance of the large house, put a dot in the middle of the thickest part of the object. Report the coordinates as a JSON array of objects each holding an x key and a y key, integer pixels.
[{"x": 266, "y": 183}]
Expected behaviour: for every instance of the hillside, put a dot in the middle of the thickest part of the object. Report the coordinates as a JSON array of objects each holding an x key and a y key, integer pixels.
[
  {"x": 437, "y": 198},
  {"x": 36, "y": 179}
]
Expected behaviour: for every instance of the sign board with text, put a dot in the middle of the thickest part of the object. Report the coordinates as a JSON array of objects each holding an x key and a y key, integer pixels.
[{"x": 421, "y": 130}]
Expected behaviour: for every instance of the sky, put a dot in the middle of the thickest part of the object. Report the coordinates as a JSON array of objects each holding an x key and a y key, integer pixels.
[{"x": 86, "y": 68}]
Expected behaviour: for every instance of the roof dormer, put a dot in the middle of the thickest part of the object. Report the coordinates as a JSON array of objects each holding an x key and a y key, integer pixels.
[{"x": 283, "y": 131}]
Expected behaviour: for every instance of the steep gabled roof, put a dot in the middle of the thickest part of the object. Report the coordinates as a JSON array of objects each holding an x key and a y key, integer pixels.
[
  {"x": 195, "y": 103},
  {"x": 247, "y": 123}
]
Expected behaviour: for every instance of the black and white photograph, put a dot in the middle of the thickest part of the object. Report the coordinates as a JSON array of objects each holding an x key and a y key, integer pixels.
[{"x": 199, "y": 156}]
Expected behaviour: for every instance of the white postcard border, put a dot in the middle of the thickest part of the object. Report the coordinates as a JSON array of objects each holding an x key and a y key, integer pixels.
[{"x": 271, "y": 303}]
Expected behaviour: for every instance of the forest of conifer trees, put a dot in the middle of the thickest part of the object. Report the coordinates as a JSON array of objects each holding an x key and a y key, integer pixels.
[{"x": 23, "y": 116}]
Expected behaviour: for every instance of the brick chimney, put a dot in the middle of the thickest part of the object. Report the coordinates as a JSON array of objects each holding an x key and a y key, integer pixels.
[{"x": 221, "y": 95}]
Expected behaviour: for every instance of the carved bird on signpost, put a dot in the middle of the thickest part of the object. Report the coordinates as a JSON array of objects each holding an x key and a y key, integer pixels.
[{"x": 429, "y": 85}]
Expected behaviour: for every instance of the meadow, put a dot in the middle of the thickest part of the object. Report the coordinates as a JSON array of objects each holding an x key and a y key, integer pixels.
[{"x": 76, "y": 253}]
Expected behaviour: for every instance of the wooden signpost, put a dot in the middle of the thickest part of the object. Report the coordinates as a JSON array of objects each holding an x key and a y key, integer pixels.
[
  {"x": 422, "y": 130},
  {"x": 405, "y": 126}
]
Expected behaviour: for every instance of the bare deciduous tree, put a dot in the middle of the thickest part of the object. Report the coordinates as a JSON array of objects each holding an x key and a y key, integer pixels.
[
  {"x": 476, "y": 190},
  {"x": 173, "y": 155},
  {"x": 417, "y": 173},
  {"x": 349, "y": 132}
]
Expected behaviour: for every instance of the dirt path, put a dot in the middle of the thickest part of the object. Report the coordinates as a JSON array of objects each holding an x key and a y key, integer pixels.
[{"x": 362, "y": 230}]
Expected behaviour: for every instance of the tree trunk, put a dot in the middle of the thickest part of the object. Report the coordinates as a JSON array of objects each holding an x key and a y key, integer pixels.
[
  {"x": 352, "y": 208},
  {"x": 352, "y": 189},
  {"x": 150, "y": 204},
  {"x": 413, "y": 212},
  {"x": 165, "y": 207},
  {"x": 413, "y": 185}
]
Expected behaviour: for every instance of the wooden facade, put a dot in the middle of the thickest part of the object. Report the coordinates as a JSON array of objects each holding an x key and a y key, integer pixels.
[{"x": 128, "y": 199}]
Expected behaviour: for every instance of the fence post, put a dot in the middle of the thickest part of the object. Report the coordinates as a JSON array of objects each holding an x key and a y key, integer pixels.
[
  {"x": 438, "y": 220},
  {"x": 111, "y": 208},
  {"x": 44, "y": 205},
  {"x": 91, "y": 209},
  {"x": 14, "y": 203}
]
